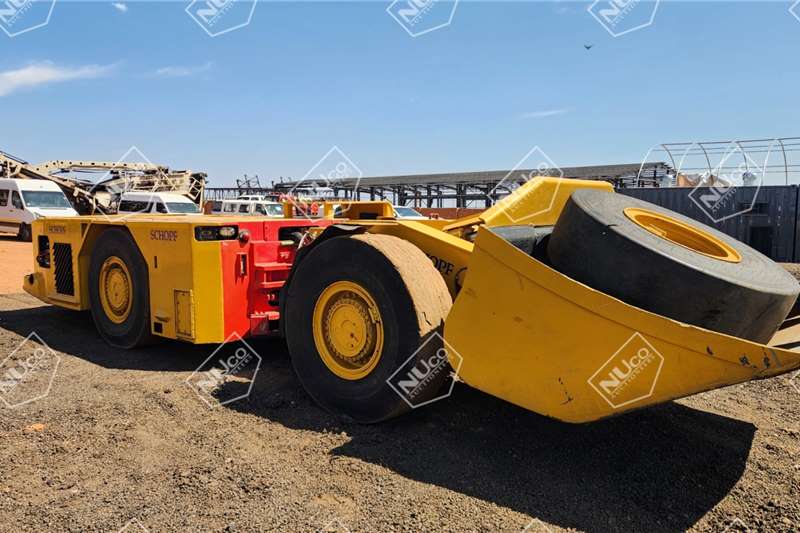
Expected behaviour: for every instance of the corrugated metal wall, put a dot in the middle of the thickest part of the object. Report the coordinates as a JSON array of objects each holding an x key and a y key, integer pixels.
[{"x": 771, "y": 226}]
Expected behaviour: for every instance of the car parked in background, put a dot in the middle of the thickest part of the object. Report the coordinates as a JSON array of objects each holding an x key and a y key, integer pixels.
[
  {"x": 24, "y": 200},
  {"x": 408, "y": 213},
  {"x": 157, "y": 202},
  {"x": 246, "y": 206}
]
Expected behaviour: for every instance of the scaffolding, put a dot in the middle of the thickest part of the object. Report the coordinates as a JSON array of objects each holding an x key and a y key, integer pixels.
[{"x": 773, "y": 161}]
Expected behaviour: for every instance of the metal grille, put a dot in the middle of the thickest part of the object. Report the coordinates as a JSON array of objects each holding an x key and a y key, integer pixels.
[{"x": 62, "y": 255}]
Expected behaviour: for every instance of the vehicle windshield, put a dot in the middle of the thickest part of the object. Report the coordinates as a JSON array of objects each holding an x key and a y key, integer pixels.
[
  {"x": 271, "y": 210},
  {"x": 46, "y": 199},
  {"x": 407, "y": 212},
  {"x": 182, "y": 207}
]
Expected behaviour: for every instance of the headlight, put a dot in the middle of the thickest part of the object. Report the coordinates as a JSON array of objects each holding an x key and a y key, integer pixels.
[{"x": 216, "y": 233}]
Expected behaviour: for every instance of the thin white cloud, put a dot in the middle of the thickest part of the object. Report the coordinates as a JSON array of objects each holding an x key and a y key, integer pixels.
[
  {"x": 543, "y": 114},
  {"x": 47, "y": 73},
  {"x": 182, "y": 71},
  {"x": 566, "y": 8},
  {"x": 120, "y": 6}
]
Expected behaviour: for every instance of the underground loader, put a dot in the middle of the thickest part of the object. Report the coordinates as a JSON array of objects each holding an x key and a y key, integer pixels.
[{"x": 564, "y": 298}]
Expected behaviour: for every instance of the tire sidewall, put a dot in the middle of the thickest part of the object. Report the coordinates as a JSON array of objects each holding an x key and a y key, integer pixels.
[
  {"x": 136, "y": 329},
  {"x": 594, "y": 242},
  {"x": 371, "y": 398}
]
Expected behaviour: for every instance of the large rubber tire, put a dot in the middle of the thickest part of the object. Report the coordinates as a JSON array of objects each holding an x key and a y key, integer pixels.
[
  {"x": 135, "y": 330},
  {"x": 594, "y": 242},
  {"x": 413, "y": 301},
  {"x": 25, "y": 234}
]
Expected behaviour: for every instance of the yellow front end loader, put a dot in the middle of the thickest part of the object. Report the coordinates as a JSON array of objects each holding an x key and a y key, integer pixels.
[{"x": 564, "y": 298}]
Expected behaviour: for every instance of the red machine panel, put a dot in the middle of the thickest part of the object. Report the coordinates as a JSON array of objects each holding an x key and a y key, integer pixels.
[{"x": 254, "y": 271}]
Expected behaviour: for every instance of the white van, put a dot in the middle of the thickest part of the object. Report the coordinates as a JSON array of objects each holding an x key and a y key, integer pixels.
[
  {"x": 157, "y": 202},
  {"x": 24, "y": 200},
  {"x": 250, "y": 207}
]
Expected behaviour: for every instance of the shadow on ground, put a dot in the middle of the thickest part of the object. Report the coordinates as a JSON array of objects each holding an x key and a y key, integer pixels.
[
  {"x": 659, "y": 469},
  {"x": 73, "y": 333}
]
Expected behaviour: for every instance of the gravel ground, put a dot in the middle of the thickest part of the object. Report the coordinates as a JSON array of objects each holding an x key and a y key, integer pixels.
[{"x": 122, "y": 442}]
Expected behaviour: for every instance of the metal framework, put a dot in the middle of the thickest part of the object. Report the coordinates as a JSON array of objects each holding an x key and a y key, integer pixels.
[
  {"x": 89, "y": 196},
  {"x": 467, "y": 189},
  {"x": 773, "y": 161}
]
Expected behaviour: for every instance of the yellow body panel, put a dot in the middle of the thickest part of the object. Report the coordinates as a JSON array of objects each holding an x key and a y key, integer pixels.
[
  {"x": 545, "y": 342},
  {"x": 537, "y": 202},
  {"x": 450, "y": 254},
  {"x": 184, "y": 274},
  {"x": 356, "y": 210}
]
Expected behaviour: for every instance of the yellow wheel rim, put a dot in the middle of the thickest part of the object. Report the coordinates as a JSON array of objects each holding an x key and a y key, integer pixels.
[
  {"x": 348, "y": 330},
  {"x": 683, "y": 234},
  {"x": 116, "y": 294}
]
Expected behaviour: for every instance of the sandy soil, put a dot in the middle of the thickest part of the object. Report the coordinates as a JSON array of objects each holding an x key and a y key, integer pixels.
[
  {"x": 121, "y": 440},
  {"x": 16, "y": 260}
]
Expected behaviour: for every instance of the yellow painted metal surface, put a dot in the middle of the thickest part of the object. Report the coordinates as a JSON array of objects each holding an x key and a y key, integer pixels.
[
  {"x": 450, "y": 254},
  {"x": 184, "y": 315},
  {"x": 348, "y": 330},
  {"x": 42, "y": 282},
  {"x": 116, "y": 290},
  {"x": 179, "y": 267},
  {"x": 538, "y": 202},
  {"x": 540, "y": 340},
  {"x": 357, "y": 210},
  {"x": 680, "y": 233}
]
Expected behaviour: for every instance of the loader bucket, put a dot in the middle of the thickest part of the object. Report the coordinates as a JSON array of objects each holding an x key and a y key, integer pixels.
[{"x": 540, "y": 340}]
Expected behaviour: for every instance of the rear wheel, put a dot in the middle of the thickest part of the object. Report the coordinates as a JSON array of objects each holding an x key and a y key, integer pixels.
[
  {"x": 119, "y": 290},
  {"x": 669, "y": 264},
  {"x": 24, "y": 233},
  {"x": 358, "y": 308}
]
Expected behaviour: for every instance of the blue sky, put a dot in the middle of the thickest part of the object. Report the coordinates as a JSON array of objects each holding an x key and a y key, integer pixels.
[{"x": 272, "y": 98}]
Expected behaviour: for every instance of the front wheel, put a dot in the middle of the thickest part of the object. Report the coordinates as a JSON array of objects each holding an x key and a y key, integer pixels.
[{"x": 359, "y": 310}]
